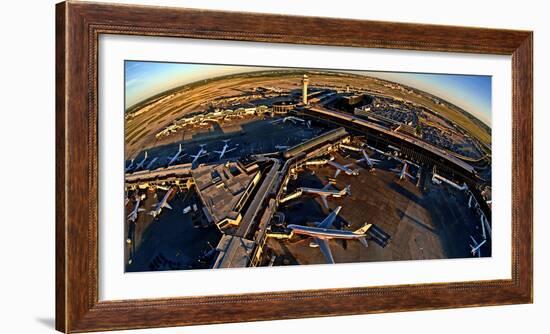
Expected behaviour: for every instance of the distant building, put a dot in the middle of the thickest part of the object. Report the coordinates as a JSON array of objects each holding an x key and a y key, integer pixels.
[
  {"x": 283, "y": 107},
  {"x": 406, "y": 129}
]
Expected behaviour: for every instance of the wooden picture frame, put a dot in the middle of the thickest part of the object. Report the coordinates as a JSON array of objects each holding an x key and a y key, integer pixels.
[{"x": 78, "y": 27}]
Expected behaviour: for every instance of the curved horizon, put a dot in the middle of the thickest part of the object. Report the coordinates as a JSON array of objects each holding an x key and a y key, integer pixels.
[{"x": 145, "y": 79}]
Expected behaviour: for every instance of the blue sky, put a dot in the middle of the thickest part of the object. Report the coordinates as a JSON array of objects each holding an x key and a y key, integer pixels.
[
  {"x": 470, "y": 92},
  {"x": 145, "y": 79}
]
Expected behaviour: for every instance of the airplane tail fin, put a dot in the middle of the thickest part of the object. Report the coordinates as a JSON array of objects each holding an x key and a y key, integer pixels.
[
  {"x": 363, "y": 229},
  {"x": 180, "y": 148}
]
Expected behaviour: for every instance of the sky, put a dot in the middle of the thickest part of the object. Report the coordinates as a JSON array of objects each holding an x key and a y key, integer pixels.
[{"x": 470, "y": 92}]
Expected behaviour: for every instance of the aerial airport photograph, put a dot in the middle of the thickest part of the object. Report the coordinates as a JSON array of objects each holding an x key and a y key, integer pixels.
[{"x": 233, "y": 166}]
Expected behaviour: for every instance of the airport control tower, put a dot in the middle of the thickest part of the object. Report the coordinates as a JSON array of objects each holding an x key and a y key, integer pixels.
[{"x": 305, "y": 81}]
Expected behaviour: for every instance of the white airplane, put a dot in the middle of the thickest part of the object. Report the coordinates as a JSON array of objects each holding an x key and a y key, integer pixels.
[
  {"x": 151, "y": 163},
  {"x": 176, "y": 156},
  {"x": 403, "y": 171},
  {"x": 323, "y": 232},
  {"x": 351, "y": 148},
  {"x": 292, "y": 119},
  {"x": 226, "y": 148},
  {"x": 162, "y": 204},
  {"x": 342, "y": 168},
  {"x": 134, "y": 214},
  {"x": 130, "y": 166},
  {"x": 370, "y": 162},
  {"x": 475, "y": 248},
  {"x": 202, "y": 152},
  {"x": 142, "y": 162},
  {"x": 326, "y": 192}
]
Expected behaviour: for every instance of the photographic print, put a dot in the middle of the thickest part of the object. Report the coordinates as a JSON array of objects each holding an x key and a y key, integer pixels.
[{"x": 231, "y": 166}]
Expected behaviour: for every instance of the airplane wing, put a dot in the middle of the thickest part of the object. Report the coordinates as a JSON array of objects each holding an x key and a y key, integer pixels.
[
  {"x": 218, "y": 152},
  {"x": 409, "y": 175},
  {"x": 325, "y": 249},
  {"x": 231, "y": 149},
  {"x": 363, "y": 241},
  {"x": 327, "y": 222},
  {"x": 324, "y": 199},
  {"x": 327, "y": 186},
  {"x": 166, "y": 205}
]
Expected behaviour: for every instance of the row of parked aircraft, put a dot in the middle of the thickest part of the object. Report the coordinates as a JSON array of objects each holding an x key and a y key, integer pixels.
[
  {"x": 324, "y": 231},
  {"x": 173, "y": 159},
  {"x": 402, "y": 173}
]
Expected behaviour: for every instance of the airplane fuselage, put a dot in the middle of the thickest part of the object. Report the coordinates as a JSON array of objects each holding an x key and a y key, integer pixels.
[
  {"x": 370, "y": 162},
  {"x": 134, "y": 214},
  {"x": 201, "y": 152},
  {"x": 175, "y": 158},
  {"x": 344, "y": 169},
  {"x": 161, "y": 204},
  {"x": 324, "y": 233},
  {"x": 333, "y": 193},
  {"x": 142, "y": 162},
  {"x": 223, "y": 150}
]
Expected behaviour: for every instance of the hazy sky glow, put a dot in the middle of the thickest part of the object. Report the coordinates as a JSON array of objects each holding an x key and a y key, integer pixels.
[{"x": 470, "y": 92}]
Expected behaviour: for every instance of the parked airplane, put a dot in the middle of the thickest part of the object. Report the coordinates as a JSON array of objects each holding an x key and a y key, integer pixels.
[
  {"x": 351, "y": 148},
  {"x": 475, "y": 248},
  {"x": 281, "y": 147},
  {"x": 326, "y": 192},
  {"x": 130, "y": 166},
  {"x": 403, "y": 171},
  {"x": 162, "y": 204},
  {"x": 437, "y": 179},
  {"x": 151, "y": 163},
  {"x": 342, "y": 168},
  {"x": 134, "y": 214},
  {"x": 202, "y": 152},
  {"x": 226, "y": 148},
  {"x": 142, "y": 162},
  {"x": 370, "y": 162},
  {"x": 292, "y": 119},
  {"x": 176, "y": 156},
  {"x": 323, "y": 232}
]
